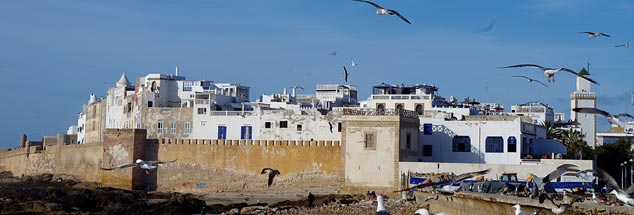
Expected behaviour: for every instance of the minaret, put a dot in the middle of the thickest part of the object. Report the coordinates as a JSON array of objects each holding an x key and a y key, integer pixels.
[{"x": 583, "y": 97}]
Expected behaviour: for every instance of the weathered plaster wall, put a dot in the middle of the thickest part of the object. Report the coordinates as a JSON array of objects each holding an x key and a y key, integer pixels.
[
  {"x": 235, "y": 165},
  {"x": 81, "y": 160}
]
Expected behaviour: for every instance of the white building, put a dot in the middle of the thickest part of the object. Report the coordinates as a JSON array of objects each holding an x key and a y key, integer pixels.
[
  {"x": 583, "y": 97},
  {"x": 539, "y": 112},
  {"x": 335, "y": 95}
]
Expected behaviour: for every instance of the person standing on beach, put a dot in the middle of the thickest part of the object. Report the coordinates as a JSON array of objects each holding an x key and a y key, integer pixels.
[{"x": 311, "y": 200}]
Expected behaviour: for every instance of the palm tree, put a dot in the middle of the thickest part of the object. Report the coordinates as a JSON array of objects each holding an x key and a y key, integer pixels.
[
  {"x": 551, "y": 131},
  {"x": 573, "y": 141}
]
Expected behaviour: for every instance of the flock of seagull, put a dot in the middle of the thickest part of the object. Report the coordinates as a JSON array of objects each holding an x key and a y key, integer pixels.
[{"x": 445, "y": 187}]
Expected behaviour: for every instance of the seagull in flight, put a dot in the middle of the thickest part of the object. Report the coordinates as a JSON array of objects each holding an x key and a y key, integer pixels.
[
  {"x": 562, "y": 169},
  {"x": 530, "y": 79},
  {"x": 345, "y": 74},
  {"x": 145, "y": 165},
  {"x": 382, "y": 11},
  {"x": 550, "y": 72},
  {"x": 333, "y": 53},
  {"x": 626, "y": 45},
  {"x": 272, "y": 173},
  {"x": 622, "y": 195},
  {"x": 447, "y": 185},
  {"x": 353, "y": 63},
  {"x": 567, "y": 201},
  {"x": 594, "y": 34},
  {"x": 612, "y": 119}
]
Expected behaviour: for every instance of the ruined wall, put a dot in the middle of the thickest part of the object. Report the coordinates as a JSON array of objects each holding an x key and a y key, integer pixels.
[{"x": 211, "y": 165}]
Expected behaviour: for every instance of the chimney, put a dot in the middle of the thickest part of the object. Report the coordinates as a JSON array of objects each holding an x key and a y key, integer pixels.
[
  {"x": 177, "y": 71},
  {"x": 293, "y": 92},
  {"x": 284, "y": 91}
]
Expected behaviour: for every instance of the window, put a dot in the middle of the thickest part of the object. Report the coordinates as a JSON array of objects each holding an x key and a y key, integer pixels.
[
  {"x": 399, "y": 107},
  {"x": 461, "y": 144},
  {"x": 173, "y": 128},
  {"x": 511, "y": 144},
  {"x": 339, "y": 127},
  {"x": 159, "y": 127},
  {"x": 494, "y": 144},
  {"x": 427, "y": 150},
  {"x": 370, "y": 141},
  {"x": 187, "y": 85},
  {"x": 245, "y": 132},
  {"x": 267, "y": 125},
  {"x": 202, "y": 110},
  {"x": 299, "y": 127},
  {"x": 222, "y": 132},
  {"x": 419, "y": 109},
  {"x": 150, "y": 104},
  {"x": 187, "y": 128},
  {"x": 427, "y": 129},
  {"x": 283, "y": 124},
  {"x": 408, "y": 140}
]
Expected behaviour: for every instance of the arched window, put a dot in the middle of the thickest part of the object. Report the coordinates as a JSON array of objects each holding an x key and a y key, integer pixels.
[
  {"x": 511, "y": 144},
  {"x": 419, "y": 109}
]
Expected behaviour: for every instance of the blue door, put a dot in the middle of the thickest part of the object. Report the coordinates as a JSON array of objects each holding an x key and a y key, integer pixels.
[
  {"x": 222, "y": 132},
  {"x": 245, "y": 133}
]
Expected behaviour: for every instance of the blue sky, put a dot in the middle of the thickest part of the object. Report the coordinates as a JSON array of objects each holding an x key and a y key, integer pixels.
[{"x": 54, "y": 53}]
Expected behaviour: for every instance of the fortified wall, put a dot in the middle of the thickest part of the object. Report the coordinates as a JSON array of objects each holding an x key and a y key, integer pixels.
[{"x": 199, "y": 165}]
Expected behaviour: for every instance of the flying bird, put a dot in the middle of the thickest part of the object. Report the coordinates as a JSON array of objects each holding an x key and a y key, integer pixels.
[
  {"x": 382, "y": 11},
  {"x": 145, "y": 165},
  {"x": 621, "y": 195},
  {"x": 549, "y": 72},
  {"x": 272, "y": 173},
  {"x": 530, "y": 79},
  {"x": 333, "y": 53},
  {"x": 446, "y": 185},
  {"x": 380, "y": 206},
  {"x": 353, "y": 63},
  {"x": 487, "y": 28},
  {"x": 594, "y": 34},
  {"x": 612, "y": 119},
  {"x": 567, "y": 201},
  {"x": 345, "y": 73},
  {"x": 424, "y": 211},
  {"x": 518, "y": 211},
  {"x": 562, "y": 169},
  {"x": 626, "y": 45}
]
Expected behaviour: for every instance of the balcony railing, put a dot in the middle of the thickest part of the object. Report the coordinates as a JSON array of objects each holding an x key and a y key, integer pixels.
[{"x": 379, "y": 112}]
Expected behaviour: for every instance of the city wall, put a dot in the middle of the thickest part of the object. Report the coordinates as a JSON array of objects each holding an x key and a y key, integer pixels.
[{"x": 199, "y": 165}]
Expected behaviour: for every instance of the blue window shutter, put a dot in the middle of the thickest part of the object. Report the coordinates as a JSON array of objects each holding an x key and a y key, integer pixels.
[
  {"x": 250, "y": 133},
  {"x": 242, "y": 129}
]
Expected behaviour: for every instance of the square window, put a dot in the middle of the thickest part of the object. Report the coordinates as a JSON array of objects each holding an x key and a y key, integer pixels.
[
  {"x": 299, "y": 127},
  {"x": 202, "y": 110},
  {"x": 370, "y": 141},
  {"x": 427, "y": 129},
  {"x": 267, "y": 125},
  {"x": 283, "y": 124},
  {"x": 427, "y": 150}
]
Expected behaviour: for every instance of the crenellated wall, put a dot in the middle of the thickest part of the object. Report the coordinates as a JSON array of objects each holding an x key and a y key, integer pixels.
[
  {"x": 236, "y": 164},
  {"x": 199, "y": 165}
]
